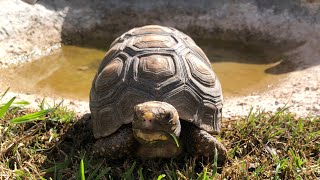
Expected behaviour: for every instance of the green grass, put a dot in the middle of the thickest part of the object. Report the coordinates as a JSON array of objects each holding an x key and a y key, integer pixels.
[{"x": 40, "y": 144}]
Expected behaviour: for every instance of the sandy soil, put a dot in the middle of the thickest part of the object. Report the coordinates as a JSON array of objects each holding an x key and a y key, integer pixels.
[{"x": 299, "y": 92}]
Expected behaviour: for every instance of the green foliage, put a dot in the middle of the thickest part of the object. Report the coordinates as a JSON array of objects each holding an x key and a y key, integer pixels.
[
  {"x": 103, "y": 173},
  {"x": 56, "y": 169},
  {"x": 161, "y": 176},
  {"x": 215, "y": 162},
  {"x": 58, "y": 166},
  {"x": 129, "y": 173},
  {"x": 40, "y": 145},
  {"x": 4, "y": 93},
  {"x": 19, "y": 174},
  {"x": 81, "y": 169},
  {"x": 203, "y": 174},
  {"x": 278, "y": 146},
  {"x": 175, "y": 139},
  {"x": 4, "y": 109},
  {"x": 40, "y": 115}
]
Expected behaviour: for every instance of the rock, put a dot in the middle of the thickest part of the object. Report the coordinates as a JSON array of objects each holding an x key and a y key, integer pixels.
[
  {"x": 314, "y": 88},
  {"x": 242, "y": 104},
  {"x": 30, "y": 1}
]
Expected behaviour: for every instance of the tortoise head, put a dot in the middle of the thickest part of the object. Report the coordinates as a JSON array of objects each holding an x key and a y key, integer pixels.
[{"x": 155, "y": 121}]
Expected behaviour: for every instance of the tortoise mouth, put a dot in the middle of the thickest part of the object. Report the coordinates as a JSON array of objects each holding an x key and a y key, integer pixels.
[{"x": 150, "y": 136}]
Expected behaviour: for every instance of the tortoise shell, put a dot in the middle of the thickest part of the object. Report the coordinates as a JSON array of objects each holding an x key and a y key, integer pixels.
[{"x": 154, "y": 63}]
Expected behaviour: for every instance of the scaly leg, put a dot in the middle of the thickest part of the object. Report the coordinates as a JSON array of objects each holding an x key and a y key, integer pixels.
[
  {"x": 200, "y": 143},
  {"x": 118, "y": 145}
]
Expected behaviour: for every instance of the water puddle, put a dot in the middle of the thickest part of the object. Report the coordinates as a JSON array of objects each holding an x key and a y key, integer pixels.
[{"x": 69, "y": 72}]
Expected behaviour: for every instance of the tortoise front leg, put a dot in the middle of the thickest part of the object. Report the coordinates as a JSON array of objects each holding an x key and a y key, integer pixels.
[
  {"x": 200, "y": 143},
  {"x": 118, "y": 145}
]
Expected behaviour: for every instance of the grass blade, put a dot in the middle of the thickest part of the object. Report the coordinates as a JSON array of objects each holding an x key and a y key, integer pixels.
[
  {"x": 96, "y": 169},
  {"x": 103, "y": 173},
  {"x": 58, "y": 166},
  {"x": 41, "y": 105},
  {"x": 82, "y": 170},
  {"x": 140, "y": 174},
  {"x": 3, "y": 94},
  {"x": 175, "y": 139},
  {"x": 215, "y": 162},
  {"x": 129, "y": 173},
  {"x": 22, "y": 103},
  {"x": 204, "y": 176},
  {"x": 5, "y": 108},
  {"x": 40, "y": 115},
  {"x": 161, "y": 176}
]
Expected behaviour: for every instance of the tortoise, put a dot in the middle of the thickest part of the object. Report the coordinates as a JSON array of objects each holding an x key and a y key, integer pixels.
[{"x": 155, "y": 95}]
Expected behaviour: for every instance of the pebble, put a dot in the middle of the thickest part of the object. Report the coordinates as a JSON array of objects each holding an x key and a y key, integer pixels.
[
  {"x": 242, "y": 104},
  {"x": 314, "y": 88}
]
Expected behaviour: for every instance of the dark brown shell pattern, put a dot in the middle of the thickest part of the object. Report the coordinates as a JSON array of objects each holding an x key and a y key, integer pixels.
[{"x": 154, "y": 63}]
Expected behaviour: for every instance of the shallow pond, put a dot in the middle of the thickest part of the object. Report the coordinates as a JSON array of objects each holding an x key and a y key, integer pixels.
[{"x": 69, "y": 72}]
